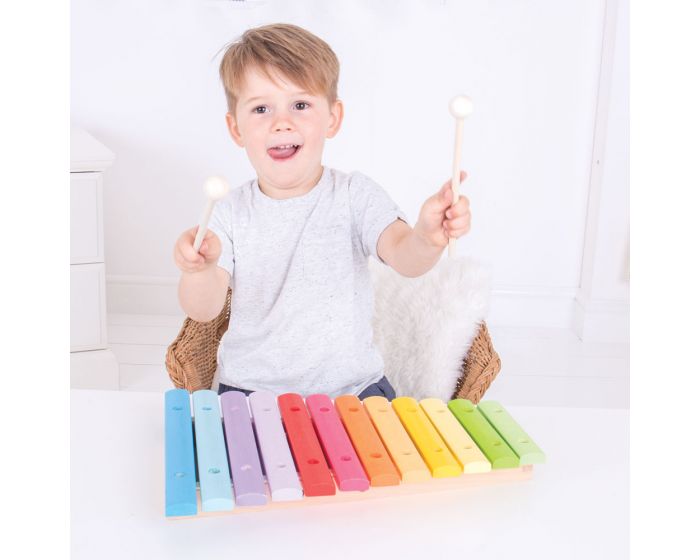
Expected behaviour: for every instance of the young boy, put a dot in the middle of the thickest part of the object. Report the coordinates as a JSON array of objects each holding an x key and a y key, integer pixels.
[{"x": 294, "y": 243}]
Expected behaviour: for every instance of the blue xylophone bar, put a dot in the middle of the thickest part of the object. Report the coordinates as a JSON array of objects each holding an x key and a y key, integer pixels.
[{"x": 180, "y": 479}]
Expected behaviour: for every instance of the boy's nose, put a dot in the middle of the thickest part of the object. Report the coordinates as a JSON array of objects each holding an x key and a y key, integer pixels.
[
  {"x": 282, "y": 126},
  {"x": 283, "y": 123}
]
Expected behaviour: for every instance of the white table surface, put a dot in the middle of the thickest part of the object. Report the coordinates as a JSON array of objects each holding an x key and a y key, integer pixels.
[{"x": 575, "y": 506}]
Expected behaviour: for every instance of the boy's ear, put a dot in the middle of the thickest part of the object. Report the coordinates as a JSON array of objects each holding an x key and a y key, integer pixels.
[
  {"x": 233, "y": 129},
  {"x": 337, "y": 113}
]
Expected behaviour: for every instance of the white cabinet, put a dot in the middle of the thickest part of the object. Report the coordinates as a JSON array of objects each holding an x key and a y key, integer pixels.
[
  {"x": 88, "y": 321},
  {"x": 86, "y": 237},
  {"x": 93, "y": 365}
]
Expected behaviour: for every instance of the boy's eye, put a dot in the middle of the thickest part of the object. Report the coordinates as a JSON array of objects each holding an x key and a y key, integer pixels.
[
  {"x": 257, "y": 109},
  {"x": 303, "y": 104}
]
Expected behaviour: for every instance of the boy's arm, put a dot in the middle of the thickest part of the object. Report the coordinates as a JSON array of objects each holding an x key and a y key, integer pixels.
[
  {"x": 203, "y": 284},
  {"x": 414, "y": 251},
  {"x": 203, "y": 294},
  {"x": 406, "y": 252}
]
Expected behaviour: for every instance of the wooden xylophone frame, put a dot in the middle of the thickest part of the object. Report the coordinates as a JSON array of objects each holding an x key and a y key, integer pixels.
[
  {"x": 526, "y": 454},
  {"x": 432, "y": 486}
]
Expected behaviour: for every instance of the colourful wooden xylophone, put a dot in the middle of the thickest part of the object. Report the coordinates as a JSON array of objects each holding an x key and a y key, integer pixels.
[{"x": 265, "y": 451}]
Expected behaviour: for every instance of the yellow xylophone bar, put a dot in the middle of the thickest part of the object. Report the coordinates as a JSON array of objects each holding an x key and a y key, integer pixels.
[{"x": 432, "y": 447}]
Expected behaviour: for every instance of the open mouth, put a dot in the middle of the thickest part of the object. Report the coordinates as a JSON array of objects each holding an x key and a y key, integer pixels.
[{"x": 284, "y": 152}]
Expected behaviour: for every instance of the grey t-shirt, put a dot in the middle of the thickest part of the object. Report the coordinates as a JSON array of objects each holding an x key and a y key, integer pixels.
[{"x": 301, "y": 313}]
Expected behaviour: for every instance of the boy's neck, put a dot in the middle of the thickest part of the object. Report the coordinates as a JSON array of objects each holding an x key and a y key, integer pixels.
[{"x": 282, "y": 193}]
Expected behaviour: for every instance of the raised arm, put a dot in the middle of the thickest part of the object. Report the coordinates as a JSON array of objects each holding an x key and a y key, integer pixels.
[
  {"x": 203, "y": 284},
  {"x": 414, "y": 251}
]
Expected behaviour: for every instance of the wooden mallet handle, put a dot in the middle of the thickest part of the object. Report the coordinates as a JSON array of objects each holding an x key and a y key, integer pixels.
[
  {"x": 460, "y": 108},
  {"x": 215, "y": 188}
]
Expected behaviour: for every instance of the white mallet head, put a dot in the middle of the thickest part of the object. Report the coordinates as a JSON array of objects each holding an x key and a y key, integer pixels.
[
  {"x": 461, "y": 106},
  {"x": 216, "y": 188}
]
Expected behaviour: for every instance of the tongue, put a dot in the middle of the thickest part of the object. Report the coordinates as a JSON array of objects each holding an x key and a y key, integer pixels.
[{"x": 281, "y": 153}]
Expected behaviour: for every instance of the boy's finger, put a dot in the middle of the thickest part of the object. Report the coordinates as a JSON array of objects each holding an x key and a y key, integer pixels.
[
  {"x": 188, "y": 253},
  {"x": 458, "y": 223},
  {"x": 446, "y": 190},
  {"x": 459, "y": 209},
  {"x": 460, "y": 232},
  {"x": 443, "y": 197},
  {"x": 188, "y": 266}
]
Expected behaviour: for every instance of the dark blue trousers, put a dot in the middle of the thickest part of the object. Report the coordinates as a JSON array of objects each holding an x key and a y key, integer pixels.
[{"x": 381, "y": 388}]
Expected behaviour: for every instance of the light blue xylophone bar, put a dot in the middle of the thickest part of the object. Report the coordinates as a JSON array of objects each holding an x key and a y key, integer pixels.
[
  {"x": 180, "y": 480},
  {"x": 214, "y": 477}
]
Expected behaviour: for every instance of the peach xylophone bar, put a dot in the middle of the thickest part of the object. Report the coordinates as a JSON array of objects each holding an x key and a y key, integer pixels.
[
  {"x": 397, "y": 442},
  {"x": 212, "y": 466},
  {"x": 345, "y": 465},
  {"x": 180, "y": 477},
  {"x": 277, "y": 459},
  {"x": 311, "y": 464},
  {"x": 246, "y": 472}
]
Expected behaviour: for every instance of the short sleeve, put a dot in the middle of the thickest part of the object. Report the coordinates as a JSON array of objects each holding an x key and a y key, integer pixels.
[
  {"x": 221, "y": 224},
  {"x": 373, "y": 211}
]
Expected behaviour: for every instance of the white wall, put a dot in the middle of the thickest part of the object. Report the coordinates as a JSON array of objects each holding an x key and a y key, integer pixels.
[
  {"x": 602, "y": 300},
  {"x": 145, "y": 83}
]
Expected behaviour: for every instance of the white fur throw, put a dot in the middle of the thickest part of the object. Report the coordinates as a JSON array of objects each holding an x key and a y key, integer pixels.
[{"x": 425, "y": 326}]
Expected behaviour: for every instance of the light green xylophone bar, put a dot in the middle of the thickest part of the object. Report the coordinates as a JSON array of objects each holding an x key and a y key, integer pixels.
[
  {"x": 510, "y": 430},
  {"x": 483, "y": 433}
]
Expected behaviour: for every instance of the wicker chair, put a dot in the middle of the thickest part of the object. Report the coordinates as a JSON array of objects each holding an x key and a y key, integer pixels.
[{"x": 191, "y": 358}]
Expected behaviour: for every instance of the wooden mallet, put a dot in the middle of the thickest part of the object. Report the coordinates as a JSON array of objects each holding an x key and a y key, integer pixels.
[
  {"x": 460, "y": 108},
  {"x": 215, "y": 188}
]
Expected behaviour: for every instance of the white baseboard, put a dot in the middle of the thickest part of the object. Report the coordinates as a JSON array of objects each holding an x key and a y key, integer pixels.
[
  {"x": 602, "y": 320},
  {"x": 511, "y": 306},
  {"x": 531, "y": 306}
]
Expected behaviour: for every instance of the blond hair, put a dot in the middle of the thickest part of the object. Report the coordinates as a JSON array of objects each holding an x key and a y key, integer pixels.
[{"x": 297, "y": 54}]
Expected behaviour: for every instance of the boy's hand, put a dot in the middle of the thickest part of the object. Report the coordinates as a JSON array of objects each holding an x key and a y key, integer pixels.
[
  {"x": 439, "y": 220},
  {"x": 188, "y": 260}
]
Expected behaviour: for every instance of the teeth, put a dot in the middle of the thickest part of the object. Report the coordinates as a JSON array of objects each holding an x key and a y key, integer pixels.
[{"x": 287, "y": 146}]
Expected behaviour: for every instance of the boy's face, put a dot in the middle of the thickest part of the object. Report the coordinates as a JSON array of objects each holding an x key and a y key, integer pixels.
[{"x": 283, "y": 130}]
